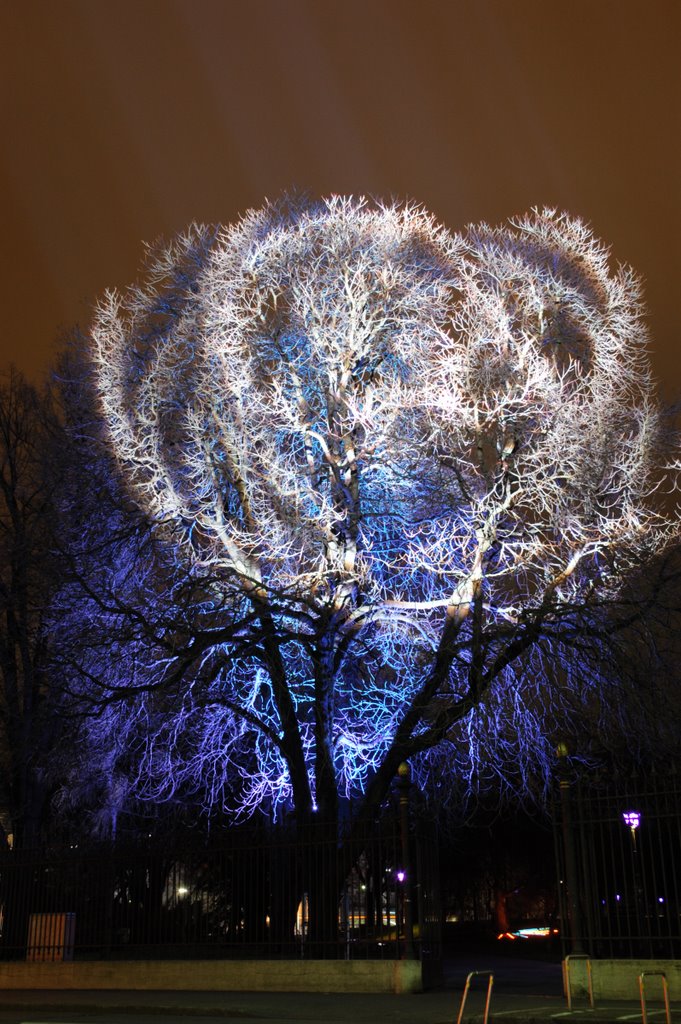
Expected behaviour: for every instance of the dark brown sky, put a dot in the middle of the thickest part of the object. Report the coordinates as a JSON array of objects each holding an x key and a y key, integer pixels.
[{"x": 125, "y": 120}]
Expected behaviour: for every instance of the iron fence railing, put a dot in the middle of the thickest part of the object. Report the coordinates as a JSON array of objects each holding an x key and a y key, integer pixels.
[
  {"x": 621, "y": 842},
  {"x": 253, "y": 896}
]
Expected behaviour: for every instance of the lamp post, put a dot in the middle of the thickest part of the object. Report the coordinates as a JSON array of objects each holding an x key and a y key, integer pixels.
[
  {"x": 574, "y": 912},
  {"x": 632, "y": 819},
  {"x": 403, "y": 788}
]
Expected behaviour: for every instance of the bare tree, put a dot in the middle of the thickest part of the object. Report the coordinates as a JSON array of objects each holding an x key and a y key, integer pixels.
[
  {"x": 28, "y": 575},
  {"x": 400, "y": 468}
]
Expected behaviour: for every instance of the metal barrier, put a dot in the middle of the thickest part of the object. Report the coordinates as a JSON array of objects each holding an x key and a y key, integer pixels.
[
  {"x": 253, "y": 895},
  {"x": 665, "y": 992},
  {"x": 589, "y": 978},
  {"x": 467, "y": 986}
]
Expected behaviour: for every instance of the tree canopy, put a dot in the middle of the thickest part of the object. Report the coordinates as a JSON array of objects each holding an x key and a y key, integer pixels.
[{"x": 398, "y": 476}]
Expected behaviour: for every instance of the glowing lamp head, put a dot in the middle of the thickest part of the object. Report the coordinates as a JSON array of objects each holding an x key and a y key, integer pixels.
[
  {"x": 632, "y": 819},
  {"x": 401, "y": 876}
]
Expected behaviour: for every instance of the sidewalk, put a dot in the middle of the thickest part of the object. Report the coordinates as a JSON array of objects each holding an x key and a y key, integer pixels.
[{"x": 439, "y": 1007}]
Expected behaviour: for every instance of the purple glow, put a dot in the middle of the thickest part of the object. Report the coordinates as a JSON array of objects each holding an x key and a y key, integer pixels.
[
  {"x": 632, "y": 819},
  {"x": 401, "y": 876}
]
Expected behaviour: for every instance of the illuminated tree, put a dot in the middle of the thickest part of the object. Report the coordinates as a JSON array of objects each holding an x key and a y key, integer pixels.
[{"x": 398, "y": 472}]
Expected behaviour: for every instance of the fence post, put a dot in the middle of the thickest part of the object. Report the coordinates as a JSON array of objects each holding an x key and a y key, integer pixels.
[
  {"x": 404, "y": 786},
  {"x": 574, "y": 913}
]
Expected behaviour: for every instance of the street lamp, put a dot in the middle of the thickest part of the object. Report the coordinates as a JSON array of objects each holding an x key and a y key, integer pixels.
[{"x": 632, "y": 819}]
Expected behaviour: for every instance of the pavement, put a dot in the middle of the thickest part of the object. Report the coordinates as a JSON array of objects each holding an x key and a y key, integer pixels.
[{"x": 524, "y": 992}]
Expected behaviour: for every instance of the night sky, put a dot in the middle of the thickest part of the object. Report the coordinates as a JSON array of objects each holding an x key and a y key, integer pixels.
[{"x": 126, "y": 120}]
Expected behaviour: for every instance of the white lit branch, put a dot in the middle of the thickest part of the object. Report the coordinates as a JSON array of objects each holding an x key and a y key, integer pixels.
[{"x": 406, "y": 456}]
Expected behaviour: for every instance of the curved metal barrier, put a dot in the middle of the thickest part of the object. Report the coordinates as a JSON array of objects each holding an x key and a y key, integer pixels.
[
  {"x": 589, "y": 978},
  {"x": 665, "y": 993},
  {"x": 465, "y": 994}
]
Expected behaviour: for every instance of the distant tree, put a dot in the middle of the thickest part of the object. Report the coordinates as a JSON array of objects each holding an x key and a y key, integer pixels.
[
  {"x": 398, "y": 480},
  {"x": 29, "y": 571}
]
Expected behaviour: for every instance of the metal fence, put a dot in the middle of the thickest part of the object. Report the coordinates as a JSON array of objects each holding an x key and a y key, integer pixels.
[
  {"x": 619, "y": 858},
  {"x": 255, "y": 896}
]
